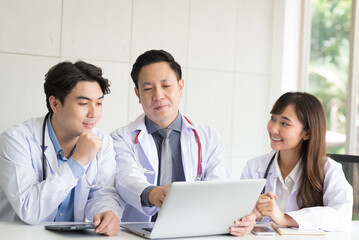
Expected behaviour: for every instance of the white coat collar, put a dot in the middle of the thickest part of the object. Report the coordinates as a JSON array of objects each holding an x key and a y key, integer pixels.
[
  {"x": 186, "y": 124},
  {"x": 148, "y": 146},
  {"x": 294, "y": 174},
  {"x": 189, "y": 148},
  {"x": 261, "y": 169},
  {"x": 50, "y": 154},
  {"x": 138, "y": 124}
]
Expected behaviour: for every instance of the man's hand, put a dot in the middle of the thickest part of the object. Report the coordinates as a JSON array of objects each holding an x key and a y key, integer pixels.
[
  {"x": 107, "y": 223},
  {"x": 157, "y": 195},
  {"x": 244, "y": 225},
  {"x": 87, "y": 146}
]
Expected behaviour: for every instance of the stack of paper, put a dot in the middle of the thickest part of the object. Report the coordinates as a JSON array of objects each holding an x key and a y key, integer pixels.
[{"x": 282, "y": 230}]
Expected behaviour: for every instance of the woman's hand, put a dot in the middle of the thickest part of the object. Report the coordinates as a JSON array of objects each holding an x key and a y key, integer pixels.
[
  {"x": 244, "y": 225},
  {"x": 257, "y": 213},
  {"x": 267, "y": 206}
]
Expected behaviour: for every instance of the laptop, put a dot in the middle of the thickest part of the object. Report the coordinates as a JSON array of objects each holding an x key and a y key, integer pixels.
[{"x": 201, "y": 208}]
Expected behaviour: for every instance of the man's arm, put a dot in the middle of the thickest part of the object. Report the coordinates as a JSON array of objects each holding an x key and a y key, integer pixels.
[
  {"x": 130, "y": 178},
  {"x": 104, "y": 205},
  {"x": 33, "y": 200}
]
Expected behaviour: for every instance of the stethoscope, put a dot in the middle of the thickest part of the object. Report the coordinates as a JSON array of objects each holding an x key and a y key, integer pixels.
[
  {"x": 199, "y": 168},
  {"x": 44, "y": 159},
  {"x": 267, "y": 170}
]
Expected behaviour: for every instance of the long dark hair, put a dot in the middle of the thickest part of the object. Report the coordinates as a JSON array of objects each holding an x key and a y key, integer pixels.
[{"x": 311, "y": 114}]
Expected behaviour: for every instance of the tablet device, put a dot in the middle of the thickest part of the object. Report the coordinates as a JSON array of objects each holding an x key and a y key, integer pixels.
[{"x": 70, "y": 227}]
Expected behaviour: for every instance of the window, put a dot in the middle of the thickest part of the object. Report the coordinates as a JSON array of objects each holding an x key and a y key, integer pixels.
[
  {"x": 333, "y": 77},
  {"x": 328, "y": 68}
]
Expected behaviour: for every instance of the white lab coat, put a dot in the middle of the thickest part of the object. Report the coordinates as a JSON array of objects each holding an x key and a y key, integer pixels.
[
  {"x": 335, "y": 215},
  {"x": 131, "y": 179},
  {"x": 24, "y": 196}
]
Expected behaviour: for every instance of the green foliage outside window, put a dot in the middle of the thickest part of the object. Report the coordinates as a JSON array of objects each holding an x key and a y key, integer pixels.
[{"x": 329, "y": 60}]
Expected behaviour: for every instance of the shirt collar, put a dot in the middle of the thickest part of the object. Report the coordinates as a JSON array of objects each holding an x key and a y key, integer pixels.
[
  {"x": 53, "y": 137},
  {"x": 294, "y": 174},
  {"x": 153, "y": 127}
]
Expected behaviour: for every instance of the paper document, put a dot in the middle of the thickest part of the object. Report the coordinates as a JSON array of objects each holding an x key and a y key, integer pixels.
[{"x": 283, "y": 230}]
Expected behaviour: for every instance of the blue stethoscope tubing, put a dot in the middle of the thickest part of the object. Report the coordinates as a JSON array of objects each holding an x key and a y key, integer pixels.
[
  {"x": 267, "y": 170},
  {"x": 199, "y": 168}
]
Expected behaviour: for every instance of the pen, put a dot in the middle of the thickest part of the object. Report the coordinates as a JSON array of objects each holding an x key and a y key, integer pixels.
[{"x": 274, "y": 185}]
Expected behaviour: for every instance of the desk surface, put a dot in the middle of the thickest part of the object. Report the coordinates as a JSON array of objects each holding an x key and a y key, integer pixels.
[{"x": 21, "y": 231}]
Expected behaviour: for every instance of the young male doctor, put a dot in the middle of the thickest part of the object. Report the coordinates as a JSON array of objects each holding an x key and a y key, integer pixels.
[
  {"x": 52, "y": 168},
  {"x": 162, "y": 146}
]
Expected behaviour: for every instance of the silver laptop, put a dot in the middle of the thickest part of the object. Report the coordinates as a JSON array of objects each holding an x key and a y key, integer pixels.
[{"x": 201, "y": 208}]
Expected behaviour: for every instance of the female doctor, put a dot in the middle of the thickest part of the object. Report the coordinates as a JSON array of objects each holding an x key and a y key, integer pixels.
[{"x": 305, "y": 188}]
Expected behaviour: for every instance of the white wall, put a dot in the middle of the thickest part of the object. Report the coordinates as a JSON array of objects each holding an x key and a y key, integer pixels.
[{"x": 226, "y": 48}]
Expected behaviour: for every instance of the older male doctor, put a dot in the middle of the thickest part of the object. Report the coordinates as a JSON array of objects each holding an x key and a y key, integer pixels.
[
  {"x": 162, "y": 146},
  {"x": 52, "y": 168}
]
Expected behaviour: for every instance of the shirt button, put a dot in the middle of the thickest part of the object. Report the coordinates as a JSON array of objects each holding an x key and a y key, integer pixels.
[{"x": 60, "y": 214}]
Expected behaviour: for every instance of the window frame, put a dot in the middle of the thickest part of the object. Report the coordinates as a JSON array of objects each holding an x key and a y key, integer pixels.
[{"x": 353, "y": 71}]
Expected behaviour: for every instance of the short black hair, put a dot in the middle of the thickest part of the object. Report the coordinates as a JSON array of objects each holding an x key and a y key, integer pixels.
[
  {"x": 154, "y": 56},
  {"x": 64, "y": 76}
]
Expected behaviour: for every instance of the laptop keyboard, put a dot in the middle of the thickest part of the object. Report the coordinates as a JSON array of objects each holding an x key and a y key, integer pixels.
[{"x": 147, "y": 229}]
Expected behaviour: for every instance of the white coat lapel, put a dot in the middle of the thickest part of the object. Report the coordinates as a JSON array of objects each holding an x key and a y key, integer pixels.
[
  {"x": 147, "y": 150},
  {"x": 261, "y": 169},
  {"x": 146, "y": 147},
  {"x": 270, "y": 180},
  {"x": 189, "y": 149},
  {"x": 50, "y": 154}
]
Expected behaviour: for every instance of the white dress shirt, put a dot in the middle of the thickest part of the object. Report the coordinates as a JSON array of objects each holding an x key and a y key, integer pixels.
[{"x": 284, "y": 187}]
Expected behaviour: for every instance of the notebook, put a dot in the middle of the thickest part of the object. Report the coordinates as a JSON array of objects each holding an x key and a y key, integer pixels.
[
  {"x": 283, "y": 230},
  {"x": 201, "y": 208}
]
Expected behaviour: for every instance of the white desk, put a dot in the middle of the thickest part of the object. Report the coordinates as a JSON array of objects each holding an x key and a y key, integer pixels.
[{"x": 20, "y": 231}]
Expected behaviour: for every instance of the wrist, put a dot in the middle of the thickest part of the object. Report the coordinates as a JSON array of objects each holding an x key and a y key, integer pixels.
[
  {"x": 285, "y": 220},
  {"x": 79, "y": 159},
  {"x": 145, "y": 201},
  {"x": 290, "y": 221},
  {"x": 76, "y": 168},
  {"x": 151, "y": 196}
]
